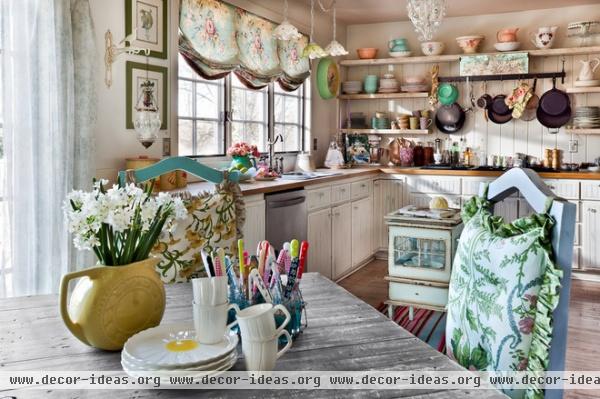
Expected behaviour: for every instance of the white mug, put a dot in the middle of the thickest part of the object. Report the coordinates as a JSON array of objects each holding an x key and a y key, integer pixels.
[
  {"x": 262, "y": 355},
  {"x": 257, "y": 322},
  {"x": 210, "y": 322},
  {"x": 210, "y": 290}
]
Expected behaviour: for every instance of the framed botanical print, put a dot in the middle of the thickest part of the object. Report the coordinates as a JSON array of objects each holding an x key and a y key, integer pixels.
[
  {"x": 147, "y": 20},
  {"x": 138, "y": 73}
]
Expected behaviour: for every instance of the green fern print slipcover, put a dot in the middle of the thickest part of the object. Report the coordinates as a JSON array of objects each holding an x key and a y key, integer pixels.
[{"x": 503, "y": 289}]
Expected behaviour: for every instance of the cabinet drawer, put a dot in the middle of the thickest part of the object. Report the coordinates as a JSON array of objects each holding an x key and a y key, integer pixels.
[
  {"x": 590, "y": 190},
  {"x": 360, "y": 189},
  {"x": 319, "y": 198},
  {"x": 568, "y": 189},
  {"x": 437, "y": 185},
  {"x": 340, "y": 193},
  {"x": 418, "y": 294}
]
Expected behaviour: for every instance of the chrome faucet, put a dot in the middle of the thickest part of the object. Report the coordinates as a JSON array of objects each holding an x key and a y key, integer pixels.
[{"x": 271, "y": 145}]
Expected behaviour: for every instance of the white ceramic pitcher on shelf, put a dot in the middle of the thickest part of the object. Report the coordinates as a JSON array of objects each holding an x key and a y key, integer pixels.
[
  {"x": 544, "y": 37},
  {"x": 588, "y": 68}
]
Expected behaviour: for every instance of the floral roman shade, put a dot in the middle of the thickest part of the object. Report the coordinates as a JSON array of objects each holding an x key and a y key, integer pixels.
[{"x": 216, "y": 38}]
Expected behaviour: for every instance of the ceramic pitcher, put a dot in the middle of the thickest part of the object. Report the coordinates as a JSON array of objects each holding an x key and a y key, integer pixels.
[
  {"x": 588, "y": 68},
  {"x": 507, "y": 35},
  {"x": 544, "y": 37},
  {"x": 111, "y": 303}
]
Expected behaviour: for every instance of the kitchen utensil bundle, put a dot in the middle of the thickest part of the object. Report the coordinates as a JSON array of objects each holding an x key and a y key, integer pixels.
[
  {"x": 587, "y": 117},
  {"x": 352, "y": 86},
  {"x": 261, "y": 279}
]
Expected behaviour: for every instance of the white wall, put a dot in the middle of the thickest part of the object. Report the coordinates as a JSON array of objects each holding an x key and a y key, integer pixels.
[
  {"x": 515, "y": 136},
  {"x": 114, "y": 143}
]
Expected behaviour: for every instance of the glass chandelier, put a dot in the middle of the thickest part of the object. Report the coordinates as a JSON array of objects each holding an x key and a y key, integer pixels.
[
  {"x": 147, "y": 118},
  {"x": 286, "y": 31},
  {"x": 426, "y": 16},
  {"x": 334, "y": 48}
]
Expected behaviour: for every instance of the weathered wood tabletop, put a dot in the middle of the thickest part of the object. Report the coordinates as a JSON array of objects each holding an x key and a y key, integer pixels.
[{"x": 344, "y": 333}]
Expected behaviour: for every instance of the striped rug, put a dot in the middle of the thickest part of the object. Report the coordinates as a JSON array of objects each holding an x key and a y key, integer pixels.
[{"x": 427, "y": 325}]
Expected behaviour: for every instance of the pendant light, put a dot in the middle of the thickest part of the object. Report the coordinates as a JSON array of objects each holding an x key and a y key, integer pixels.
[
  {"x": 286, "y": 31},
  {"x": 147, "y": 118},
  {"x": 334, "y": 48},
  {"x": 312, "y": 49}
]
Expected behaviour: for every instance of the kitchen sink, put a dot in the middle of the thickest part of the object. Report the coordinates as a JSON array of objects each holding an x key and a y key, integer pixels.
[{"x": 307, "y": 175}]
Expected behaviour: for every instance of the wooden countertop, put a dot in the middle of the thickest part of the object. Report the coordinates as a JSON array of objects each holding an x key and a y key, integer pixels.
[
  {"x": 264, "y": 187},
  {"x": 343, "y": 333}
]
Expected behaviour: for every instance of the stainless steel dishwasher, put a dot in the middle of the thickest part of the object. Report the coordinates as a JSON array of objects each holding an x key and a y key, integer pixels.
[{"x": 286, "y": 217}]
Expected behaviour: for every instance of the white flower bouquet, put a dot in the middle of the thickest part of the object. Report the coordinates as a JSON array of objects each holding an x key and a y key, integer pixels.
[{"x": 121, "y": 224}]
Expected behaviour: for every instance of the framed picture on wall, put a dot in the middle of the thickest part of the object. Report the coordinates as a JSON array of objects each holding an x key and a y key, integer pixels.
[
  {"x": 147, "y": 20},
  {"x": 136, "y": 74}
]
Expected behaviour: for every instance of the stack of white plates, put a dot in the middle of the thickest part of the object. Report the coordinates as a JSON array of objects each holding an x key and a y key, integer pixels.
[
  {"x": 352, "y": 87},
  {"x": 413, "y": 84},
  {"x": 173, "y": 347},
  {"x": 388, "y": 84},
  {"x": 587, "y": 117}
]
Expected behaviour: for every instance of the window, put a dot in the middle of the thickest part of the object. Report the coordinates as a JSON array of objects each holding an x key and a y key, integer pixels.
[
  {"x": 212, "y": 114},
  {"x": 5, "y": 261}
]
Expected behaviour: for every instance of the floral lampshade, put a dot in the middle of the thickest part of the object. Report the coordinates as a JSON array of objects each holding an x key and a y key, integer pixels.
[
  {"x": 147, "y": 118},
  {"x": 313, "y": 51},
  {"x": 286, "y": 31},
  {"x": 335, "y": 49}
]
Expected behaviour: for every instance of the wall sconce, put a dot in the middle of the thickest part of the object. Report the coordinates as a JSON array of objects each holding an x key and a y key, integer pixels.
[{"x": 112, "y": 51}]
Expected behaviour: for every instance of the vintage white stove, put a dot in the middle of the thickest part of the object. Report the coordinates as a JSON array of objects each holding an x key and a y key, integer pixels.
[{"x": 420, "y": 257}]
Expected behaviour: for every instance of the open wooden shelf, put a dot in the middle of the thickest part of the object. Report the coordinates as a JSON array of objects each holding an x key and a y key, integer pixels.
[
  {"x": 408, "y": 132},
  {"x": 455, "y": 57},
  {"x": 582, "y": 131},
  {"x": 594, "y": 89},
  {"x": 382, "y": 96}
]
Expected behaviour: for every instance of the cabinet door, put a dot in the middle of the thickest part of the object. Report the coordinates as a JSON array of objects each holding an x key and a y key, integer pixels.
[
  {"x": 254, "y": 227},
  {"x": 590, "y": 225},
  {"x": 319, "y": 238},
  {"x": 362, "y": 229},
  {"x": 341, "y": 237},
  {"x": 387, "y": 197}
]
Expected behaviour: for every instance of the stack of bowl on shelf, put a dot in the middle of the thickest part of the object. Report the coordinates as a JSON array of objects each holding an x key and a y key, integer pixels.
[
  {"x": 587, "y": 118},
  {"x": 415, "y": 84},
  {"x": 388, "y": 84},
  {"x": 398, "y": 48},
  {"x": 370, "y": 84},
  {"x": 380, "y": 121},
  {"x": 469, "y": 44},
  {"x": 352, "y": 86}
]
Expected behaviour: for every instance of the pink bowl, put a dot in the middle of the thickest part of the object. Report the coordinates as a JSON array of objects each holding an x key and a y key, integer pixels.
[{"x": 366, "y": 53}]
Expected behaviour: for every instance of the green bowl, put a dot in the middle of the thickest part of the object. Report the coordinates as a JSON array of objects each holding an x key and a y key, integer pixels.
[{"x": 447, "y": 94}]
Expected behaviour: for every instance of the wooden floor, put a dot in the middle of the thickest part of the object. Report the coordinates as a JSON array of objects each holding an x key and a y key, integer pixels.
[{"x": 583, "y": 351}]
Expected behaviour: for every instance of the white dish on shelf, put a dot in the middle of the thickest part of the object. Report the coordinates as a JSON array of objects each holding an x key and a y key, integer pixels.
[
  {"x": 507, "y": 46},
  {"x": 593, "y": 168},
  {"x": 399, "y": 54},
  {"x": 587, "y": 83},
  {"x": 131, "y": 364},
  {"x": 150, "y": 347}
]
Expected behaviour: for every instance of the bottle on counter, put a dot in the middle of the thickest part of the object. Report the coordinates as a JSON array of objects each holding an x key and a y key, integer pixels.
[
  {"x": 418, "y": 155},
  {"x": 468, "y": 157},
  {"x": 454, "y": 154},
  {"x": 428, "y": 153}
]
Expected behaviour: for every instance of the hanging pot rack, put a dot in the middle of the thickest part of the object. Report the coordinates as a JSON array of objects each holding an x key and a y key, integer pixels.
[{"x": 511, "y": 76}]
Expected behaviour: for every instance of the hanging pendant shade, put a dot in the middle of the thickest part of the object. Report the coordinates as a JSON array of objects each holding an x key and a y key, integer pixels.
[
  {"x": 313, "y": 50},
  {"x": 286, "y": 31},
  {"x": 334, "y": 48}
]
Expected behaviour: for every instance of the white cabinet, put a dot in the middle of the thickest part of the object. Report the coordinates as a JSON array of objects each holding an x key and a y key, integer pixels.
[
  {"x": 387, "y": 197},
  {"x": 319, "y": 238},
  {"x": 341, "y": 238},
  {"x": 255, "y": 226},
  {"x": 319, "y": 198},
  {"x": 441, "y": 185},
  {"x": 362, "y": 229},
  {"x": 590, "y": 251},
  {"x": 564, "y": 188}
]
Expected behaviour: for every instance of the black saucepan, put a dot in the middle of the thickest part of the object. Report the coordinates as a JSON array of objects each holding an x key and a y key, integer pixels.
[
  {"x": 554, "y": 102},
  {"x": 498, "y": 112}
]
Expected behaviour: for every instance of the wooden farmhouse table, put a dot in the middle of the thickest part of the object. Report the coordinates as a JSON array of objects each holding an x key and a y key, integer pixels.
[{"x": 343, "y": 333}]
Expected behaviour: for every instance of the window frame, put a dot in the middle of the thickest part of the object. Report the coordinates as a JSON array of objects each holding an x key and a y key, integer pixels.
[{"x": 225, "y": 119}]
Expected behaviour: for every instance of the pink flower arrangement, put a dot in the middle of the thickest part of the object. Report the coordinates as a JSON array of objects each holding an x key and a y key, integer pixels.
[{"x": 243, "y": 149}]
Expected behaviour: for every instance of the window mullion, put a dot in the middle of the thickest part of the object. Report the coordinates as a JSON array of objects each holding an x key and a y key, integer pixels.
[
  {"x": 271, "y": 112},
  {"x": 194, "y": 115}
]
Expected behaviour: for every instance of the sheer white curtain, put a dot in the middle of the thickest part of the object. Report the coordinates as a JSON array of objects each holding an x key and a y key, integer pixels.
[{"x": 49, "y": 106}]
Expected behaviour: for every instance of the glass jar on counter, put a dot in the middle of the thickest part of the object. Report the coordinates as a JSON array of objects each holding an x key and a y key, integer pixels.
[
  {"x": 428, "y": 153},
  {"x": 418, "y": 155}
]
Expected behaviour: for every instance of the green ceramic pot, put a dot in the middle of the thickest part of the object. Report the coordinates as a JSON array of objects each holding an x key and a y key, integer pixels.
[{"x": 240, "y": 162}]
